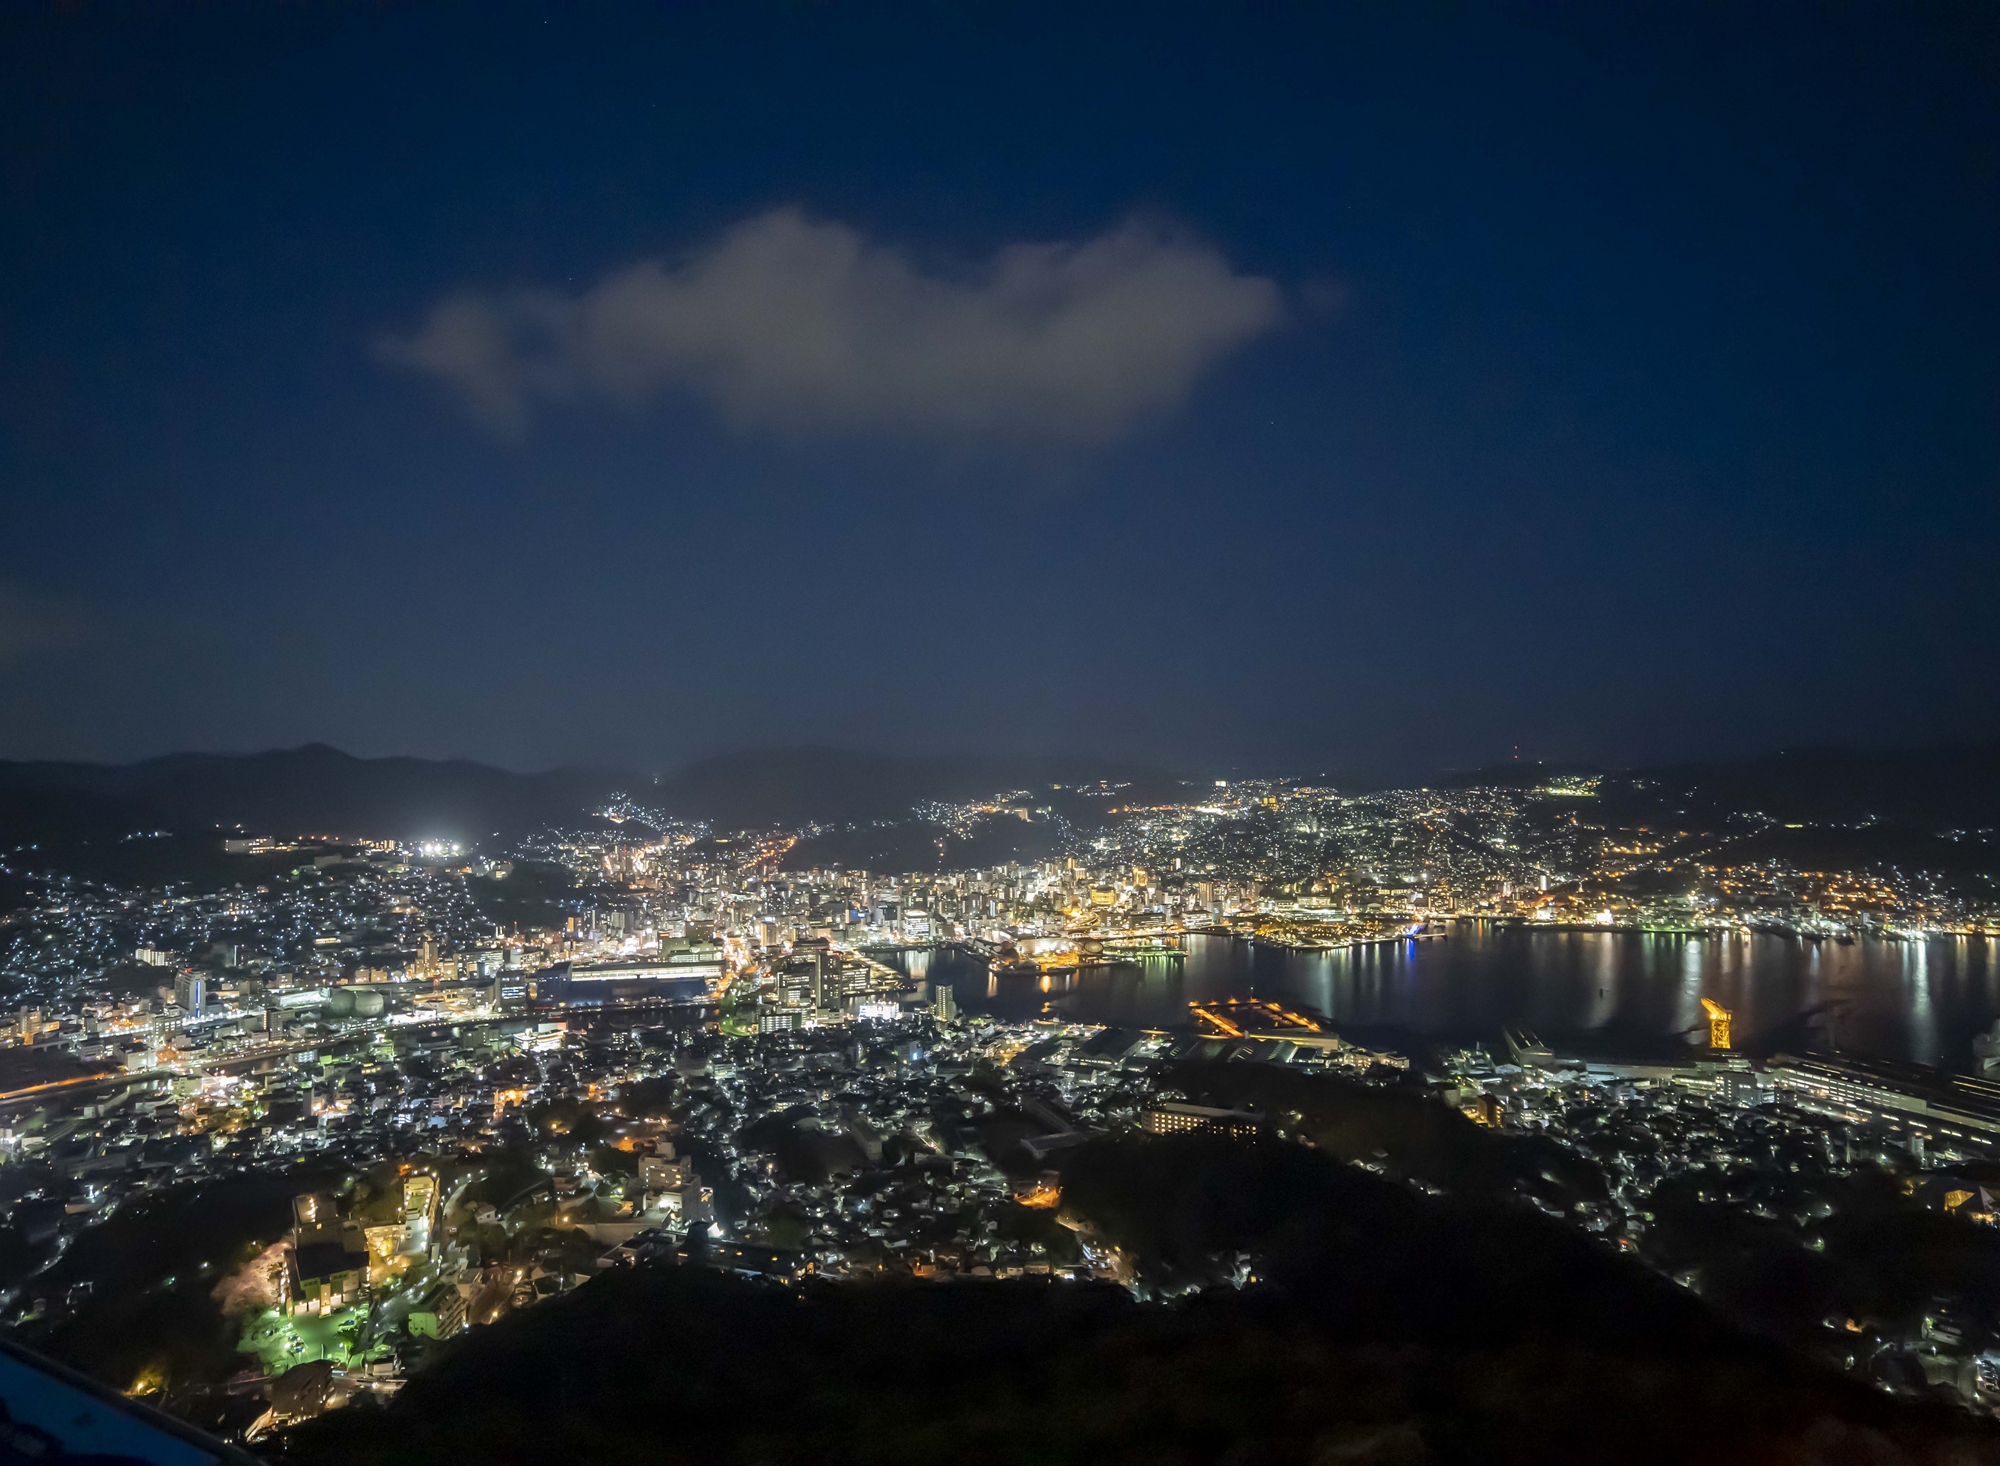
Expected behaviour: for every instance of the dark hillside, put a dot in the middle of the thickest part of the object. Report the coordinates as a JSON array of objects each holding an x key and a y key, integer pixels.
[
  {"x": 309, "y": 790},
  {"x": 783, "y": 786},
  {"x": 1948, "y": 787},
  {"x": 1390, "y": 1328}
]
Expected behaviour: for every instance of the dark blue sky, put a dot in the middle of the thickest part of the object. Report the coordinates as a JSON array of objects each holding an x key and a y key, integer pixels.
[{"x": 1416, "y": 383}]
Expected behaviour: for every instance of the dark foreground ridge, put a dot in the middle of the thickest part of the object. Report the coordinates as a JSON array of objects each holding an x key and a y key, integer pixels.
[{"x": 1381, "y": 1326}]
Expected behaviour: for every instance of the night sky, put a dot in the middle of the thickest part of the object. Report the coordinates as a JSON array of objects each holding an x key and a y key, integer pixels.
[{"x": 1291, "y": 388}]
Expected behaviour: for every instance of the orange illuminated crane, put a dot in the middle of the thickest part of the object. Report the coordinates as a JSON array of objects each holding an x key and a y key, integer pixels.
[{"x": 1718, "y": 1023}]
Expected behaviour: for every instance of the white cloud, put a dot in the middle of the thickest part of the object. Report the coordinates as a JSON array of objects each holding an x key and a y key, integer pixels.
[{"x": 805, "y": 327}]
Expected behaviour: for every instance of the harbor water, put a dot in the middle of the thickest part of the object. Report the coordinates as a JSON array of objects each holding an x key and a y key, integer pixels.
[{"x": 1601, "y": 992}]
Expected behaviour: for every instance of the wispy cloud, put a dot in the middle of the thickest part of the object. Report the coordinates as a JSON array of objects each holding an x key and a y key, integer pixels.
[
  {"x": 805, "y": 327},
  {"x": 31, "y": 623}
]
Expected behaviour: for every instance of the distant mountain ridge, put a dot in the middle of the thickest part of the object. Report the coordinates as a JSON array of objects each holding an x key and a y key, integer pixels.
[
  {"x": 312, "y": 789},
  {"x": 1943, "y": 787},
  {"x": 1952, "y": 786},
  {"x": 316, "y": 788},
  {"x": 319, "y": 789},
  {"x": 782, "y": 786}
]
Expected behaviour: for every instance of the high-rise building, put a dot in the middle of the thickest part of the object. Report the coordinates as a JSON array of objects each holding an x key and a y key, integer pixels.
[
  {"x": 945, "y": 1004},
  {"x": 327, "y": 1262},
  {"x": 315, "y": 1219},
  {"x": 665, "y": 1171},
  {"x": 191, "y": 991}
]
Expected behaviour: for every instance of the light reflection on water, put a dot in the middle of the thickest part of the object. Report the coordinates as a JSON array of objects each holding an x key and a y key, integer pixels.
[{"x": 1620, "y": 990}]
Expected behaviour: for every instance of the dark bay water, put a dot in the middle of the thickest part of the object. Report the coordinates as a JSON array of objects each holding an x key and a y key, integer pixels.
[{"x": 1613, "y": 992}]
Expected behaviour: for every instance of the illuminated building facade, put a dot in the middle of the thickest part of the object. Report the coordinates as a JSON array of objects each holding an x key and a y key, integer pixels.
[{"x": 1178, "y": 1119}]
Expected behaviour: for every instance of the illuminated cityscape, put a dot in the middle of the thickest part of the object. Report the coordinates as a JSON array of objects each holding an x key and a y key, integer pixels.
[{"x": 644, "y": 1041}]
